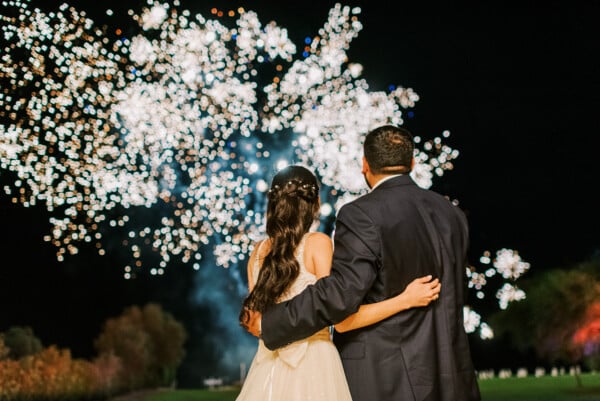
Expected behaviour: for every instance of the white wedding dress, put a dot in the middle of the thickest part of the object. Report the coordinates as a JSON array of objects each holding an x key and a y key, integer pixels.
[{"x": 307, "y": 370}]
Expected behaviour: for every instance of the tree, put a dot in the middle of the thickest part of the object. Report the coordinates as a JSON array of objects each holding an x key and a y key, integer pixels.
[
  {"x": 21, "y": 342},
  {"x": 149, "y": 343},
  {"x": 124, "y": 338},
  {"x": 587, "y": 336},
  {"x": 4, "y": 350},
  {"x": 556, "y": 308},
  {"x": 168, "y": 337}
]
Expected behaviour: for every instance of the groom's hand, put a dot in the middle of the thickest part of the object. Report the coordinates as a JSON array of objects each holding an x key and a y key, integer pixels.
[{"x": 253, "y": 326}]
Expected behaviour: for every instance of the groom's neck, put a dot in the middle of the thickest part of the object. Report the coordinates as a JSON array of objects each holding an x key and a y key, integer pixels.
[{"x": 377, "y": 179}]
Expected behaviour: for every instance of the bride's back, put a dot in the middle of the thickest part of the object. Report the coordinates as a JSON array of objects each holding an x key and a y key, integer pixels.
[{"x": 312, "y": 246}]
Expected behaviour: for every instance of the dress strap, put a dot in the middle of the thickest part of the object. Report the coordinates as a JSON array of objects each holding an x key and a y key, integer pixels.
[
  {"x": 256, "y": 265},
  {"x": 301, "y": 244},
  {"x": 257, "y": 258}
]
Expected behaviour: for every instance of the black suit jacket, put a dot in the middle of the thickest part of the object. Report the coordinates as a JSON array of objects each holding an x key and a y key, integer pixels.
[{"x": 384, "y": 240}]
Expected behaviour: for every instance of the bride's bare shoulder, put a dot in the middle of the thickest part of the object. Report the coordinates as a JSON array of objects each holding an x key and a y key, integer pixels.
[
  {"x": 262, "y": 247},
  {"x": 317, "y": 256},
  {"x": 318, "y": 240},
  {"x": 259, "y": 251}
]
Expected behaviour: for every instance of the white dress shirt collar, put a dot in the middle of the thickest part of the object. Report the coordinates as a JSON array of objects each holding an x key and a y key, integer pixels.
[{"x": 389, "y": 177}]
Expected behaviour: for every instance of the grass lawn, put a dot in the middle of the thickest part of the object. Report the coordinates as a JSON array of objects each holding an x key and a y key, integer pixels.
[
  {"x": 181, "y": 395},
  {"x": 547, "y": 388}
]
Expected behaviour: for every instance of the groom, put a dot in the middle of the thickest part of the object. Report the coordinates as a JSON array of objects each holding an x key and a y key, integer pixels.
[{"x": 383, "y": 240}]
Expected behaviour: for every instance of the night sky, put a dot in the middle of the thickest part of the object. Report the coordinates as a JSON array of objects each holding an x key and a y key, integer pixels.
[{"x": 517, "y": 86}]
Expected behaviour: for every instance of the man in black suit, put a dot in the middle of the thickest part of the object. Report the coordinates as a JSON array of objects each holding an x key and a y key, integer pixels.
[{"x": 383, "y": 240}]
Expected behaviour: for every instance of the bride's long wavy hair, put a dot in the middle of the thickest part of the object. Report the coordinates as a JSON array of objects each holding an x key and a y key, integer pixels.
[{"x": 292, "y": 207}]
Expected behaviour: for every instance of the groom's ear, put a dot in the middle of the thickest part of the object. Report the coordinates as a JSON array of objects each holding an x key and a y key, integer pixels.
[{"x": 365, "y": 165}]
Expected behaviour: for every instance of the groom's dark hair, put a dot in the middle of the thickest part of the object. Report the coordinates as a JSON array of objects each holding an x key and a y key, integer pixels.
[{"x": 389, "y": 150}]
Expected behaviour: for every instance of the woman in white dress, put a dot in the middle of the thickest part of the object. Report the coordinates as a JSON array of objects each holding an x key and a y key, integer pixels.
[{"x": 279, "y": 268}]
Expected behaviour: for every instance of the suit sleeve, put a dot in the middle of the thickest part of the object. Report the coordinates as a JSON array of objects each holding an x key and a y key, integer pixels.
[{"x": 331, "y": 299}]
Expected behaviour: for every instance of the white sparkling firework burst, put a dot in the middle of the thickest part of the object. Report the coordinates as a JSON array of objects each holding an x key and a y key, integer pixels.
[
  {"x": 509, "y": 293},
  {"x": 472, "y": 321},
  {"x": 169, "y": 121},
  {"x": 156, "y": 121},
  {"x": 325, "y": 102},
  {"x": 509, "y": 266},
  {"x": 485, "y": 332},
  {"x": 145, "y": 122}
]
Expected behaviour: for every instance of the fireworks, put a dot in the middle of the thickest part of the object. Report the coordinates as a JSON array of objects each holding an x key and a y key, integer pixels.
[
  {"x": 157, "y": 139},
  {"x": 148, "y": 122},
  {"x": 509, "y": 293},
  {"x": 509, "y": 266},
  {"x": 169, "y": 120}
]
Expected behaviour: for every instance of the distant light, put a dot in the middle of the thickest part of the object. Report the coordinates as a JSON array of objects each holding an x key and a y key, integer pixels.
[
  {"x": 486, "y": 332},
  {"x": 262, "y": 186},
  {"x": 326, "y": 209},
  {"x": 253, "y": 168},
  {"x": 281, "y": 164}
]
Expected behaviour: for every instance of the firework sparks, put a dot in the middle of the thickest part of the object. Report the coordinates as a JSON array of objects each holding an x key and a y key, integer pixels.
[
  {"x": 508, "y": 265},
  {"x": 142, "y": 123},
  {"x": 159, "y": 121},
  {"x": 170, "y": 120}
]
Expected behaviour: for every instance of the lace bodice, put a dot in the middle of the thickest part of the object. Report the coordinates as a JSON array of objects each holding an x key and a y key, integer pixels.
[{"x": 304, "y": 278}]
